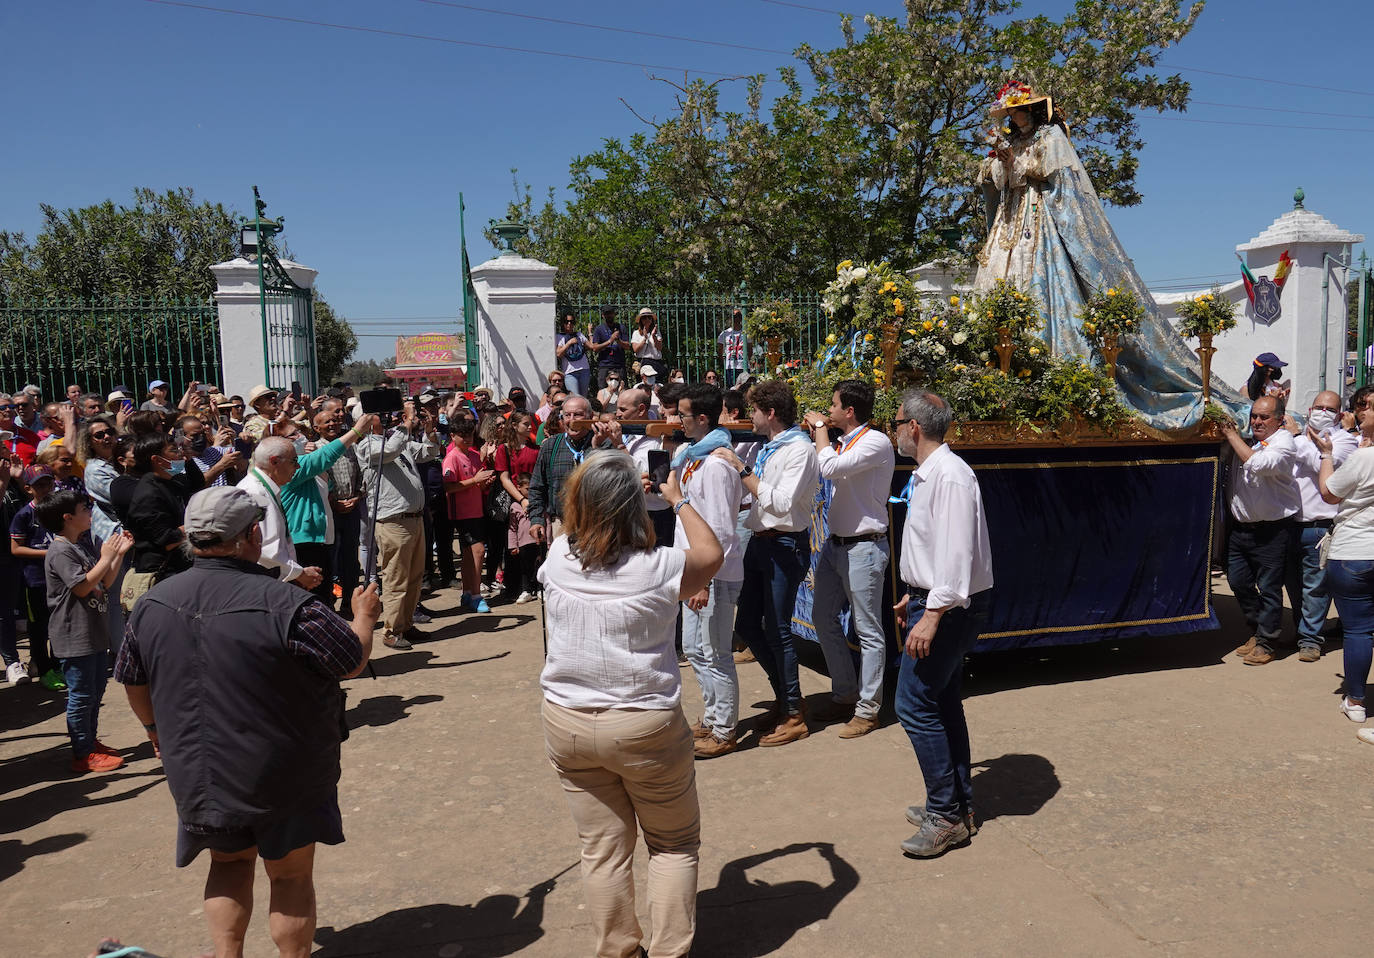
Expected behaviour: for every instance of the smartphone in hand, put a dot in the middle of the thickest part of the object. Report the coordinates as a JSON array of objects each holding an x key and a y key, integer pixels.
[{"x": 660, "y": 464}]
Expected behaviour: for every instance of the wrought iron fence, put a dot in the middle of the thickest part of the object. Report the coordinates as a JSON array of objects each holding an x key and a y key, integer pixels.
[
  {"x": 100, "y": 344},
  {"x": 690, "y": 324}
]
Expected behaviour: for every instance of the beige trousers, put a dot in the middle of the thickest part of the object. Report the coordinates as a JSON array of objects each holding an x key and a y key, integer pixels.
[
  {"x": 401, "y": 554},
  {"x": 619, "y": 767}
]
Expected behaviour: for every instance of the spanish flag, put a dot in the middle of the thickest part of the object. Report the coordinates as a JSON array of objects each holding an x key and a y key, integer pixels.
[{"x": 1280, "y": 275}]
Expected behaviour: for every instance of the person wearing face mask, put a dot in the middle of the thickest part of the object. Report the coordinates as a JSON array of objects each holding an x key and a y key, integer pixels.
[
  {"x": 1306, "y": 578},
  {"x": 946, "y": 565},
  {"x": 155, "y": 513},
  {"x": 219, "y": 462}
]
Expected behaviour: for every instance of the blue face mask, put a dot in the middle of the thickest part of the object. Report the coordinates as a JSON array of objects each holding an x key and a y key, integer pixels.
[
  {"x": 176, "y": 466},
  {"x": 443, "y": 419}
]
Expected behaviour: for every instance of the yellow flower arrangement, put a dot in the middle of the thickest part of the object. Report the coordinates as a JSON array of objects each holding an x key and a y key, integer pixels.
[{"x": 954, "y": 301}]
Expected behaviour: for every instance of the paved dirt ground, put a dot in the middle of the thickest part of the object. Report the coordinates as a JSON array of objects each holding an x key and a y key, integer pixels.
[{"x": 1155, "y": 797}]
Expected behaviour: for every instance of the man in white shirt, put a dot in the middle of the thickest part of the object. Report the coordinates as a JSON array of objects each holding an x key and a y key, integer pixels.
[
  {"x": 1306, "y": 579},
  {"x": 779, "y": 554},
  {"x": 947, "y": 567},
  {"x": 274, "y": 465},
  {"x": 708, "y": 617},
  {"x": 1263, "y": 501},
  {"x": 633, "y": 404},
  {"x": 732, "y": 346},
  {"x": 854, "y": 558}
]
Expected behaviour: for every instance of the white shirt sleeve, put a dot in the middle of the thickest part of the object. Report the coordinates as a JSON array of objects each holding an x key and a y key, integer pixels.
[
  {"x": 1273, "y": 456},
  {"x": 788, "y": 479},
  {"x": 860, "y": 458},
  {"x": 955, "y": 511}
]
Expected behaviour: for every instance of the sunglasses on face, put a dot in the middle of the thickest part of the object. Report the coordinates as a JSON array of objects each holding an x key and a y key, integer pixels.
[
  {"x": 101, "y": 436},
  {"x": 7, "y": 408}
]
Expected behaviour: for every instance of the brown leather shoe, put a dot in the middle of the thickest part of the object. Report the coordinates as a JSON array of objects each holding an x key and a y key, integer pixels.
[
  {"x": 1309, "y": 654},
  {"x": 858, "y": 726},
  {"x": 743, "y": 656},
  {"x": 712, "y": 747},
  {"x": 789, "y": 729},
  {"x": 700, "y": 731},
  {"x": 1245, "y": 649},
  {"x": 1260, "y": 656},
  {"x": 828, "y": 710}
]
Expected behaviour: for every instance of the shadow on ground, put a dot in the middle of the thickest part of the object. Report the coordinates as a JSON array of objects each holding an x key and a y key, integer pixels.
[
  {"x": 384, "y": 709},
  {"x": 1013, "y": 785},
  {"x": 745, "y": 917},
  {"x": 497, "y": 925},
  {"x": 398, "y": 663}
]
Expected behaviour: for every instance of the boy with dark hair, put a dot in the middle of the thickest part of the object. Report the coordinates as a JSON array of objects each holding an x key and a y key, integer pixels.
[
  {"x": 78, "y": 584},
  {"x": 29, "y": 544}
]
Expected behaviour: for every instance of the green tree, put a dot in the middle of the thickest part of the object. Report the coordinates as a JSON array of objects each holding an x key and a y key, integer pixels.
[
  {"x": 335, "y": 341},
  {"x": 363, "y": 374},
  {"x": 876, "y": 161}
]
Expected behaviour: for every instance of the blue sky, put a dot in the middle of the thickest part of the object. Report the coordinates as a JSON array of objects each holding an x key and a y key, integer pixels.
[{"x": 363, "y": 142}]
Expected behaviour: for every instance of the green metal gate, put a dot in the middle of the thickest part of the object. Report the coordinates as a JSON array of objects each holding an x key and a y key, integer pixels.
[
  {"x": 288, "y": 310},
  {"x": 691, "y": 322},
  {"x": 1364, "y": 330},
  {"x": 473, "y": 366}
]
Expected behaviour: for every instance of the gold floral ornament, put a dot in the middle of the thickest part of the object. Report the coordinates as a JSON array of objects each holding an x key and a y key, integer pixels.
[{"x": 1005, "y": 306}]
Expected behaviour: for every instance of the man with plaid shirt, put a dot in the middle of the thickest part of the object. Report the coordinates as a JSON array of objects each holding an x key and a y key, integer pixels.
[{"x": 558, "y": 457}]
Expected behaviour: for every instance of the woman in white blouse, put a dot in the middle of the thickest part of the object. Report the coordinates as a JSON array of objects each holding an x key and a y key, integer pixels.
[
  {"x": 613, "y": 721},
  {"x": 647, "y": 342}
]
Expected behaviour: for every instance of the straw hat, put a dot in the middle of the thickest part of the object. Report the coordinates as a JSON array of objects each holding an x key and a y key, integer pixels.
[{"x": 1018, "y": 96}]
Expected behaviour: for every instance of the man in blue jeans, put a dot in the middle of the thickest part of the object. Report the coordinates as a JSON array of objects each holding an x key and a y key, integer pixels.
[
  {"x": 783, "y": 484},
  {"x": 1264, "y": 501},
  {"x": 947, "y": 567},
  {"x": 853, "y": 560},
  {"x": 1307, "y": 592}
]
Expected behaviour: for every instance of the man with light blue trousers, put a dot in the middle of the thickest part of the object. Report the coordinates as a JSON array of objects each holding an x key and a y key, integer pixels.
[{"x": 854, "y": 557}]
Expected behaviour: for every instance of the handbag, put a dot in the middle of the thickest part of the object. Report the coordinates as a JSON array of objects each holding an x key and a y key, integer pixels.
[{"x": 498, "y": 505}]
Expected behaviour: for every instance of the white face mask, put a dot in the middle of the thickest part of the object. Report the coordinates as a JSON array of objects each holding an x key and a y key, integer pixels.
[
  {"x": 679, "y": 380},
  {"x": 1321, "y": 419}
]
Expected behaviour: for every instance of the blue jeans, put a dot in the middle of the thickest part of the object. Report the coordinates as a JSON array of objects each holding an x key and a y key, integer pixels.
[
  {"x": 85, "y": 677},
  {"x": 852, "y": 573},
  {"x": 931, "y": 709},
  {"x": 577, "y": 381},
  {"x": 707, "y": 642},
  {"x": 774, "y": 567},
  {"x": 1307, "y": 592},
  {"x": 1256, "y": 562},
  {"x": 1351, "y": 582}
]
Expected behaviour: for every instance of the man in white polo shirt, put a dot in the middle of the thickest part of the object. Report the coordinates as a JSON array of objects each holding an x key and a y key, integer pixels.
[
  {"x": 947, "y": 567},
  {"x": 854, "y": 558},
  {"x": 1264, "y": 500},
  {"x": 783, "y": 485}
]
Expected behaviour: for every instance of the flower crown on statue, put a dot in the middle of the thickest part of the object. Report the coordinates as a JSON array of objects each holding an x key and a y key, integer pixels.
[{"x": 1013, "y": 94}]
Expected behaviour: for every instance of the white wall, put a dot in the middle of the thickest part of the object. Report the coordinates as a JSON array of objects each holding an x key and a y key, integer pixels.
[{"x": 515, "y": 331}]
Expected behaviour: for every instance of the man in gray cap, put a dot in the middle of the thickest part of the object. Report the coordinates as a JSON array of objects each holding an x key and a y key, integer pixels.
[{"x": 235, "y": 675}]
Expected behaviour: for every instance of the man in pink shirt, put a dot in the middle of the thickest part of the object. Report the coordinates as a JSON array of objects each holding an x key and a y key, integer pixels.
[{"x": 465, "y": 481}]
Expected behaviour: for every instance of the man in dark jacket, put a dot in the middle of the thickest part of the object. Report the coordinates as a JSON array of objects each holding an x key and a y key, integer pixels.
[{"x": 235, "y": 676}]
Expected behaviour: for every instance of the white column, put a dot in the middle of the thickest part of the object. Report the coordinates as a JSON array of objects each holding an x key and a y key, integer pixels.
[
  {"x": 516, "y": 311},
  {"x": 240, "y": 321}
]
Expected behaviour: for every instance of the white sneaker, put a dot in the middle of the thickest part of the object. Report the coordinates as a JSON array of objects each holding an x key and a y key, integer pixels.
[
  {"x": 17, "y": 674},
  {"x": 419, "y": 618},
  {"x": 1365, "y": 735},
  {"x": 1352, "y": 711},
  {"x": 525, "y": 597}
]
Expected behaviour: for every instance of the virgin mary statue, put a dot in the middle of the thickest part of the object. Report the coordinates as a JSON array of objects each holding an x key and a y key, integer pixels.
[{"x": 1047, "y": 233}]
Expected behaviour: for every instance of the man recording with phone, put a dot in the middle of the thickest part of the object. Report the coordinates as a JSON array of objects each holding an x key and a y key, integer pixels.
[
  {"x": 630, "y": 405},
  {"x": 399, "y": 495}
]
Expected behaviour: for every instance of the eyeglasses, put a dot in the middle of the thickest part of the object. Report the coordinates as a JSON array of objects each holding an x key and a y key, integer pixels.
[
  {"x": 102, "y": 436},
  {"x": 1335, "y": 409},
  {"x": 899, "y": 423},
  {"x": 9, "y": 407}
]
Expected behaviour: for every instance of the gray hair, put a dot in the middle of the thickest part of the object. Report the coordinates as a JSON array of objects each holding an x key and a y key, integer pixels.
[
  {"x": 931, "y": 413},
  {"x": 603, "y": 509},
  {"x": 272, "y": 447}
]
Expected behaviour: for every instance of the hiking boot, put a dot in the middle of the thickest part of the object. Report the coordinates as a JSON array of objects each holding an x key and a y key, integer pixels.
[
  {"x": 700, "y": 731},
  {"x": 858, "y": 726},
  {"x": 1247, "y": 648},
  {"x": 1260, "y": 656},
  {"x": 829, "y": 710},
  {"x": 790, "y": 729},
  {"x": 712, "y": 746},
  {"x": 917, "y": 814},
  {"x": 96, "y": 762},
  {"x": 1309, "y": 653},
  {"x": 394, "y": 641},
  {"x": 936, "y": 836}
]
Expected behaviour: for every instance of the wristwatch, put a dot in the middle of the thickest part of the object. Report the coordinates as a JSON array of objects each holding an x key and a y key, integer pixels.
[{"x": 746, "y": 472}]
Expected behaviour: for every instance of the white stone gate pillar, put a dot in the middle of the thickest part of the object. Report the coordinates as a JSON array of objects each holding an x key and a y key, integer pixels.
[
  {"x": 516, "y": 310},
  {"x": 241, "y": 340}
]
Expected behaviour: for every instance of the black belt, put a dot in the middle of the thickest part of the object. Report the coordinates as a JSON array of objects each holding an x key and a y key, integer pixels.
[
  {"x": 774, "y": 533},
  {"x": 1265, "y": 524},
  {"x": 1317, "y": 524},
  {"x": 863, "y": 537},
  {"x": 403, "y": 515}
]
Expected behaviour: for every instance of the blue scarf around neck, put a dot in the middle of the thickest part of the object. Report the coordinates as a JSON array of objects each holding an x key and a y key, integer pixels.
[{"x": 717, "y": 438}]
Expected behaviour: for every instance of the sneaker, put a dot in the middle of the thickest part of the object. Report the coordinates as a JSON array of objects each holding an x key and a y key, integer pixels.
[
  {"x": 96, "y": 762},
  {"x": 1352, "y": 710},
  {"x": 791, "y": 729},
  {"x": 525, "y": 597},
  {"x": 936, "y": 836},
  {"x": 1309, "y": 653},
  {"x": 17, "y": 674},
  {"x": 421, "y": 618},
  {"x": 1365, "y": 735},
  {"x": 743, "y": 656},
  {"x": 858, "y": 726},
  {"x": 393, "y": 641},
  {"x": 1260, "y": 656},
  {"x": 712, "y": 746},
  {"x": 917, "y": 815},
  {"x": 478, "y": 604},
  {"x": 1247, "y": 648},
  {"x": 103, "y": 749},
  {"x": 52, "y": 681}
]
